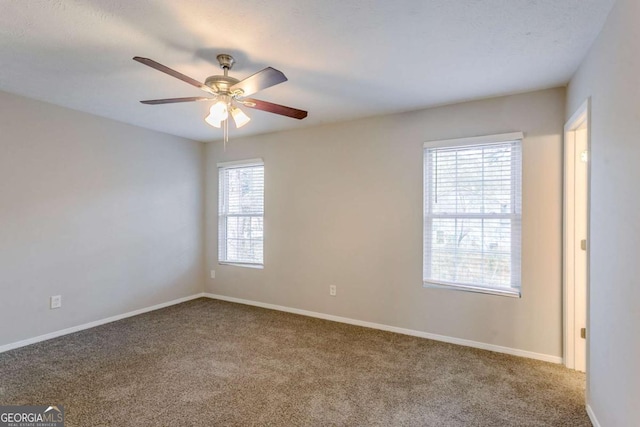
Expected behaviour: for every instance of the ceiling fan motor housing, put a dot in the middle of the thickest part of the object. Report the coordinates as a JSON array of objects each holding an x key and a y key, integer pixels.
[{"x": 221, "y": 84}]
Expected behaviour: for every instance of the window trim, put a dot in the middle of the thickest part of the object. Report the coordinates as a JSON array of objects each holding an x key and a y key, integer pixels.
[
  {"x": 462, "y": 142},
  {"x": 475, "y": 140},
  {"x": 241, "y": 163},
  {"x": 237, "y": 164}
]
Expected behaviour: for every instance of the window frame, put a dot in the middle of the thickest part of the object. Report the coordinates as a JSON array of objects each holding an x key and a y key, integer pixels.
[
  {"x": 516, "y": 218},
  {"x": 223, "y": 216}
]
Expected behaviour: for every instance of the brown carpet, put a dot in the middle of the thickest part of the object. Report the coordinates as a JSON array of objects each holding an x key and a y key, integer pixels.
[{"x": 213, "y": 363}]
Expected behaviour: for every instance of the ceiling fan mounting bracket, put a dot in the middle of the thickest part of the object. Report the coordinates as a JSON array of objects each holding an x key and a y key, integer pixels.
[{"x": 226, "y": 61}]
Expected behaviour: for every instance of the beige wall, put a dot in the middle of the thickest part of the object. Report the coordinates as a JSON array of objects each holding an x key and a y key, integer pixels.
[
  {"x": 105, "y": 214},
  {"x": 344, "y": 207},
  {"x": 610, "y": 75}
]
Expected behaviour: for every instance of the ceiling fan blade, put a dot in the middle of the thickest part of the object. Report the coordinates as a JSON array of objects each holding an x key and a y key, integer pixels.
[
  {"x": 274, "y": 108},
  {"x": 173, "y": 73},
  {"x": 259, "y": 81},
  {"x": 173, "y": 100}
]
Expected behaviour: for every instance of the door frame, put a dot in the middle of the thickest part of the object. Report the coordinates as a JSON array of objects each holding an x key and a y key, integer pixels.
[{"x": 569, "y": 249}]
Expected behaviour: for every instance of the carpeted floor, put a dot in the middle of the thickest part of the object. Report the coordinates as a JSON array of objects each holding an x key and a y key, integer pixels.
[{"x": 213, "y": 363}]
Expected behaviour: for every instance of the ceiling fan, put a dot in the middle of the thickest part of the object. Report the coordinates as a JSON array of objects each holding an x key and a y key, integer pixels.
[{"x": 228, "y": 93}]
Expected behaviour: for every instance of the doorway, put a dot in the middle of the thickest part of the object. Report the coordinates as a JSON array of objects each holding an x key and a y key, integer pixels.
[{"x": 576, "y": 238}]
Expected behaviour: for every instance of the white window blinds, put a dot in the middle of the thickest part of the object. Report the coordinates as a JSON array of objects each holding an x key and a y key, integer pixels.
[
  {"x": 241, "y": 213},
  {"x": 472, "y": 216}
]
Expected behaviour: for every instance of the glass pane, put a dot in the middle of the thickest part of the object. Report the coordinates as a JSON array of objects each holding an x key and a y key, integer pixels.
[
  {"x": 474, "y": 179},
  {"x": 244, "y": 190},
  {"x": 244, "y": 239},
  {"x": 471, "y": 251}
]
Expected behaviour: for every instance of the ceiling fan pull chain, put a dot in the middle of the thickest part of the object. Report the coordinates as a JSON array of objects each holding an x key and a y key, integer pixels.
[{"x": 226, "y": 133}]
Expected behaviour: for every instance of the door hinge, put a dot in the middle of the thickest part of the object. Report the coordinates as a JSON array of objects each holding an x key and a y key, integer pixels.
[
  {"x": 584, "y": 156},
  {"x": 583, "y": 244},
  {"x": 583, "y": 333}
]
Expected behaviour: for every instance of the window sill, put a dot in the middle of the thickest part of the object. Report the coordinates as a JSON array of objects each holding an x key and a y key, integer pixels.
[
  {"x": 512, "y": 293},
  {"x": 239, "y": 264}
]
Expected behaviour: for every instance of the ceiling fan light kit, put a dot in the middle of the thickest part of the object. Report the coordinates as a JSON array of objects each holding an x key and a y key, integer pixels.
[{"x": 228, "y": 93}]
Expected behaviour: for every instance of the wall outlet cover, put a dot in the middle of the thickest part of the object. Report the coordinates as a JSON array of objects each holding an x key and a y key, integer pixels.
[{"x": 56, "y": 301}]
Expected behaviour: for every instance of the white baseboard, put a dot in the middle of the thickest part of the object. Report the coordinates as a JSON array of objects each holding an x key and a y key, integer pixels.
[
  {"x": 73, "y": 329},
  {"x": 414, "y": 333},
  {"x": 411, "y": 332},
  {"x": 592, "y": 417}
]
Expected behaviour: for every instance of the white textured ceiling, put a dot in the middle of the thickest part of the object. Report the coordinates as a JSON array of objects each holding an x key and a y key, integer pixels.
[{"x": 344, "y": 58}]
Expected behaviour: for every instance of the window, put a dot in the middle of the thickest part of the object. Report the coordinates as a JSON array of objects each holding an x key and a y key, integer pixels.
[
  {"x": 472, "y": 214},
  {"x": 241, "y": 213}
]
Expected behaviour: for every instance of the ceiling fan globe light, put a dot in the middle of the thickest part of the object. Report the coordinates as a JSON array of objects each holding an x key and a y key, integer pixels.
[
  {"x": 239, "y": 117},
  {"x": 211, "y": 120},
  {"x": 219, "y": 111}
]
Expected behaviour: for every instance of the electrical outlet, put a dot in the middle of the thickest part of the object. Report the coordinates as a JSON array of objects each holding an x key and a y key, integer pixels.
[
  {"x": 213, "y": 274},
  {"x": 56, "y": 301},
  {"x": 332, "y": 290}
]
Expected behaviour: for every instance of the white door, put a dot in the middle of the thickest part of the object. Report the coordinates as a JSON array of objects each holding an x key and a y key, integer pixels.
[
  {"x": 581, "y": 157},
  {"x": 576, "y": 230}
]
